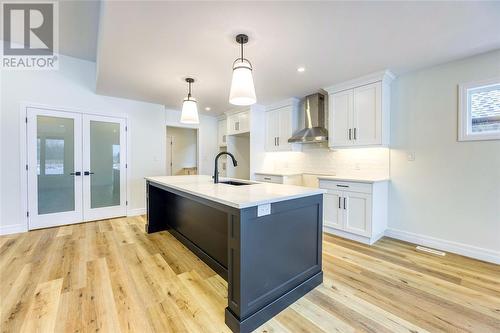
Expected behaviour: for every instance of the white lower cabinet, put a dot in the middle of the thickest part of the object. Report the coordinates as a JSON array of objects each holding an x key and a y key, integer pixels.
[{"x": 353, "y": 210}]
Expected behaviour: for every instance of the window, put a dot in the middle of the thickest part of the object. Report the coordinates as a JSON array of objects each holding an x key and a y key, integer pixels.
[{"x": 479, "y": 111}]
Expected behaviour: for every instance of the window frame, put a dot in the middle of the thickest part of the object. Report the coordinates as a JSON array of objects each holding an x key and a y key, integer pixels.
[{"x": 464, "y": 119}]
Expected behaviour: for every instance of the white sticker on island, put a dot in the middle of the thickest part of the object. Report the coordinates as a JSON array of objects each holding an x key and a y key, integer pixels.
[{"x": 263, "y": 210}]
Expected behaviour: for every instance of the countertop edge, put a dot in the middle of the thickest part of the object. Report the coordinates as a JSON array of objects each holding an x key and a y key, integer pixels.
[{"x": 315, "y": 191}]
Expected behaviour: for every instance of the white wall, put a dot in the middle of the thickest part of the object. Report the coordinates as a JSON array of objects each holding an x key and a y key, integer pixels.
[
  {"x": 207, "y": 138},
  {"x": 449, "y": 197},
  {"x": 72, "y": 86}
]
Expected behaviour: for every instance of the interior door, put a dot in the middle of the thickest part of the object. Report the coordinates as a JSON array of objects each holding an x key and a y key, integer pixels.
[
  {"x": 333, "y": 209},
  {"x": 104, "y": 172},
  {"x": 54, "y": 149},
  {"x": 272, "y": 123},
  {"x": 367, "y": 116},
  {"x": 340, "y": 118},
  {"x": 358, "y": 213}
]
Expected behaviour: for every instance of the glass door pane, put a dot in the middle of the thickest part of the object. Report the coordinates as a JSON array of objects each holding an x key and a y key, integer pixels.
[
  {"x": 55, "y": 164},
  {"x": 104, "y": 164},
  {"x": 54, "y": 146}
]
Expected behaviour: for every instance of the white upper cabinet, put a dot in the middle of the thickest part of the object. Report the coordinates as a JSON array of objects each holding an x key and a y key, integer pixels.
[
  {"x": 359, "y": 112},
  {"x": 340, "y": 118},
  {"x": 238, "y": 123},
  {"x": 367, "y": 115},
  {"x": 222, "y": 136},
  {"x": 281, "y": 122},
  {"x": 272, "y": 130}
]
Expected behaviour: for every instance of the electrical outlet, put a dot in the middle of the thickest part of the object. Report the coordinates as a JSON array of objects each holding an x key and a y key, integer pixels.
[
  {"x": 357, "y": 167},
  {"x": 263, "y": 210},
  {"x": 410, "y": 156}
]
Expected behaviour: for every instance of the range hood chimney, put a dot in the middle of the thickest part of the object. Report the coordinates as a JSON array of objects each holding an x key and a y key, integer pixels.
[{"x": 314, "y": 120}]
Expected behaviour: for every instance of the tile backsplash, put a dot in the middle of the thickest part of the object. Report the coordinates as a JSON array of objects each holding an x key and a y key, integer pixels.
[{"x": 314, "y": 159}]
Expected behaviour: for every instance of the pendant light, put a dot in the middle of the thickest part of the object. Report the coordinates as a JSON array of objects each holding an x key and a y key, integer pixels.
[
  {"x": 242, "y": 88},
  {"x": 189, "y": 109}
]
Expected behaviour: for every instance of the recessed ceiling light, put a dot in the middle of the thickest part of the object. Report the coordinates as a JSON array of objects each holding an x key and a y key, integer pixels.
[
  {"x": 301, "y": 69},
  {"x": 208, "y": 108}
]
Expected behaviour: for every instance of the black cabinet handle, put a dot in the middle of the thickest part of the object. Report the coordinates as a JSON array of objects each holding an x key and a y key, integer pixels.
[
  {"x": 87, "y": 173},
  {"x": 349, "y": 134},
  {"x": 267, "y": 178},
  {"x": 338, "y": 185},
  {"x": 76, "y": 173},
  {"x": 339, "y": 201},
  {"x": 344, "y": 204},
  {"x": 354, "y": 133}
]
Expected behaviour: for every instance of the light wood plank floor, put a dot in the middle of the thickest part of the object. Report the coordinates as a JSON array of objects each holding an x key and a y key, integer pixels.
[{"x": 109, "y": 276}]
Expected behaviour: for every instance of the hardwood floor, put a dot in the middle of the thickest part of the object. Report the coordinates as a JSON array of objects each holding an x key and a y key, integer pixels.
[{"x": 110, "y": 276}]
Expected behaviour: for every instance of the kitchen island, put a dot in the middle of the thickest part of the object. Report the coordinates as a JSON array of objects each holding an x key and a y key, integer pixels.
[{"x": 263, "y": 239}]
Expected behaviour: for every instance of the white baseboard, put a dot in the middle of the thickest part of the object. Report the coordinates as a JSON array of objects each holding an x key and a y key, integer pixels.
[
  {"x": 446, "y": 245},
  {"x": 13, "y": 229},
  {"x": 136, "y": 211}
]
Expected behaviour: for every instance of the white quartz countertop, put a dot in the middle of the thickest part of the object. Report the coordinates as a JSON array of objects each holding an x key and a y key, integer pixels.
[
  {"x": 352, "y": 178},
  {"x": 235, "y": 196},
  {"x": 340, "y": 177}
]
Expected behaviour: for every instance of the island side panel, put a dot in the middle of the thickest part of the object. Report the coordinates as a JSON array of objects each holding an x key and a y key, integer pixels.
[
  {"x": 156, "y": 209},
  {"x": 273, "y": 260}
]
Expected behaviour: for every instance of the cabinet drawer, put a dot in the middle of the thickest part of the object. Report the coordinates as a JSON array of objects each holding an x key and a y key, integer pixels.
[
  {"x": 269, "y": 178},
  {"x": 345, "y": 186}
]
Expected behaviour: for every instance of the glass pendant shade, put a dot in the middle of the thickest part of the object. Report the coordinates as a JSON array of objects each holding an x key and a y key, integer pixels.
[
  {"x": 242, "y": 88},
  {"x": 189, "y": 112}
]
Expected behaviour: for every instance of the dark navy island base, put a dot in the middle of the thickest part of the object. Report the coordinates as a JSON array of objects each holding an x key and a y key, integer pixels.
[{"x": 268, "y": 262}]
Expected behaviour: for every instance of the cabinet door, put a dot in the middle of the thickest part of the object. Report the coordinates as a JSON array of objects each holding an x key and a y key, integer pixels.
[
  {"x": 367, "y": 115},
  {"x": 285, "y": 128},
  {"x": 222, "y": 133},
  {"x": 358, "y": 213},
  {"x": 232, "y": 124},
  {"x": 243, "y": 122},
  {"x": 340, "y": 118},
  {"x": 272, "y": 130},
  {"x": 332, "y": 209}
]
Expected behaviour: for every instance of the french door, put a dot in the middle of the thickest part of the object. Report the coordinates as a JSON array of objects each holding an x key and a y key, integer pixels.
[{"x": 76, "y": 167}]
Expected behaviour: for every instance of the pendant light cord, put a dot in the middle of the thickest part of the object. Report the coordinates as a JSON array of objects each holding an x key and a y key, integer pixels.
[
  {"x": 241, "y": 52},
  {"x": 189, "y": 92}
]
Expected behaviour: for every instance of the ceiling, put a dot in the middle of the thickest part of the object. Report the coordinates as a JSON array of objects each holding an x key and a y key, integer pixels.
[
  {"x": 146, "y": 49},
  {"x": 78, "y": 28}
]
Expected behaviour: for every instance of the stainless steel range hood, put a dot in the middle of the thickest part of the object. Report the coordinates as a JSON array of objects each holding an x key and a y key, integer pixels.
[{"x": 314, "y": 115}]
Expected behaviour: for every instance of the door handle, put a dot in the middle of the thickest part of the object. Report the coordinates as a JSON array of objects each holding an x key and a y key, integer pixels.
[
  {"x": 345, "y": 207},
  {"x": 349, "y": 134},
  {"x": 87, "y": 173},
  {"x": 278, "y": 140},
  {"x": 339, "y": 201},
  {"x": 76, "y": 173}
]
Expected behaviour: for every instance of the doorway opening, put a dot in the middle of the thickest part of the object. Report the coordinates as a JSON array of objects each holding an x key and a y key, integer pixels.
[{"x": 182, "y": 151}]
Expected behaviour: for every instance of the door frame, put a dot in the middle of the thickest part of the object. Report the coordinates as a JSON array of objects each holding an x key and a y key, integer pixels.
[
  {"x": 23, "y": 151},
  {"x": 196, "y": 128}
]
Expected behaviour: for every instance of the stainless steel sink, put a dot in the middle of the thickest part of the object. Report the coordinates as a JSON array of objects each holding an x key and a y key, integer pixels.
[{"x": 235, "y": 183}]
